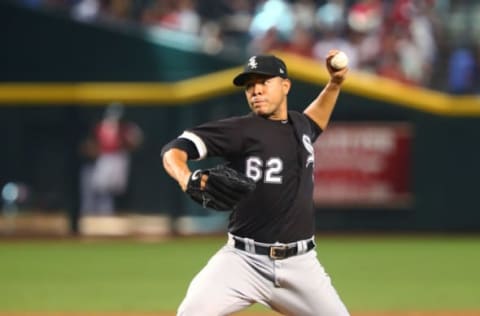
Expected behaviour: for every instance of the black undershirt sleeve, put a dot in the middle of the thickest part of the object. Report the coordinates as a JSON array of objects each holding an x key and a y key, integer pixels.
[{"x": 183, "y": 144}]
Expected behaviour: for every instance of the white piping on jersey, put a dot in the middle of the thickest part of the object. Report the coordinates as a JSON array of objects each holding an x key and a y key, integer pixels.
[{"x": 197, "y": 141}]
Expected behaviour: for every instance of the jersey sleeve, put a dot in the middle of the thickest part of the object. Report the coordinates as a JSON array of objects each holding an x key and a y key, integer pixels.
[
  {"x": 315, "y": 130},
  {"x": 217, "y": 138}
]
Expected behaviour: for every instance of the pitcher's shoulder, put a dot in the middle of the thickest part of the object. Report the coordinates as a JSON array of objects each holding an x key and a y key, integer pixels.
[{"x": 297, "y": 116}]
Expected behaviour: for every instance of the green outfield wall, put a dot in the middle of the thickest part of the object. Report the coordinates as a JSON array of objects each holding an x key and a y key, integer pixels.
[{"x": 58, "y": 75}]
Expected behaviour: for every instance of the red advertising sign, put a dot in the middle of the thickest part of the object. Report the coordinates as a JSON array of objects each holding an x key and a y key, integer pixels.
[{"x": 363, "y": 165}]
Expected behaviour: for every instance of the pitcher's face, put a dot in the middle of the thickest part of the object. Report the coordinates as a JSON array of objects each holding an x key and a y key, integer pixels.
[{"x": 267, "y": 96}]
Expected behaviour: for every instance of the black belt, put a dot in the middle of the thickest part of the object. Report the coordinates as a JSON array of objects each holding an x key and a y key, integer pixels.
[{"x": 274, "y": 252}]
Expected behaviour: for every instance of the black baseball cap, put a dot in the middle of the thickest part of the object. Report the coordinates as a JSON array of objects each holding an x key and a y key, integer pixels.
[{"x": 262, "y": 65}]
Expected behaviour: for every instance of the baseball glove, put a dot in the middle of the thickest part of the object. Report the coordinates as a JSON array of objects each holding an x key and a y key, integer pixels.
[{"x": 225, "y": 187}]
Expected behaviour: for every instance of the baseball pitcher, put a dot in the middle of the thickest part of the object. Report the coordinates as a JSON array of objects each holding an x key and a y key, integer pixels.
[{"x": 267, "y": 184}]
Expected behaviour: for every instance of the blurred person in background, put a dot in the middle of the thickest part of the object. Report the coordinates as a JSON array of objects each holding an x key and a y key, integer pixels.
[
  {"x": 266, "y": 42},
  {"x": 272, "y": 26},
  {"x": 364, "y": 21},
  {"x": 333, "y": 31},
  {"x": 304, "y": 12},
  {"x": 107, "y": 150},
  {"x": 237, "y": 17},
  {"x": 462, "y": 69},
  {"x": 235, "y": 22},
  {"x": 179, "y": 15},
  {"x": 301, "y": 42},
  {"x": 412, "y": 23}
]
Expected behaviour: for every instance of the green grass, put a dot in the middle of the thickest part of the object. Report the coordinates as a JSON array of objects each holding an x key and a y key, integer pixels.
[
  {"x": 405, "y": 273},
  {"x": 370, "y": 273}
]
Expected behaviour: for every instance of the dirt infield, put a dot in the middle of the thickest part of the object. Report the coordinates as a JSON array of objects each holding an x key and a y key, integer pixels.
[{"x": 413, "y": 313}]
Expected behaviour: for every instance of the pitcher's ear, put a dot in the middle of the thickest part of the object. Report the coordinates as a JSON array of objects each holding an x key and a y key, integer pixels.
[{"x": 286, "y": 84}]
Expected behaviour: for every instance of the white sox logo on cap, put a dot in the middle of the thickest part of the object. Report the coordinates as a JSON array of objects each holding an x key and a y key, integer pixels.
[
  {"x": 252, "y": 62},
  {"x": 266, "y": 65}
]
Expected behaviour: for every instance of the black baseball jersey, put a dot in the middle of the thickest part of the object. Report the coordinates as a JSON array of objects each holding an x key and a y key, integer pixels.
[{"x": 278, "y": 156}]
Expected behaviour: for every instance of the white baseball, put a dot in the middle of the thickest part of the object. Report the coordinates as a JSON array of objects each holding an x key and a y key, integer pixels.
[{"x": 339, "y": 61}]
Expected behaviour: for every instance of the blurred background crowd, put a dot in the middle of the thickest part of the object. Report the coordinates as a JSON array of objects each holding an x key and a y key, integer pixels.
[
  {"x": 428, "y": 43},
  {"x": 95, "y": 151}
]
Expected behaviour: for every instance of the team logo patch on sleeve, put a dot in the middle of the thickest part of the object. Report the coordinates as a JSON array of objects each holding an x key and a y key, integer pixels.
[{"x": 307, "y": 143}]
